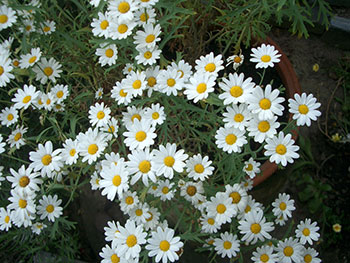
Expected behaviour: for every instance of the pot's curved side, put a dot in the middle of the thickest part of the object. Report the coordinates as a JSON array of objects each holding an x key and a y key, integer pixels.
[{"x": 292, "y": 85}]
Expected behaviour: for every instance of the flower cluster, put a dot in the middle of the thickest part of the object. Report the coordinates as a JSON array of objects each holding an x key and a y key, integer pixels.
[{"x": 124, "y": 142}]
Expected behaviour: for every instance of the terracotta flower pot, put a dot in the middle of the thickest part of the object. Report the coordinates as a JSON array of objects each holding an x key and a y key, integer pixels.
[{"x": 292, "y": 85}]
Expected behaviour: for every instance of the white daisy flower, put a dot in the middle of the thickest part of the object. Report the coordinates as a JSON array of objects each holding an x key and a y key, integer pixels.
[
  {"x": 129, "y": 240},
  {"x": 50, "y": 208},
  {"x": 6, "y": 219},
  {"x": 95, "y": 181},
  {"x": 141, "y": 164},
  {"x": 236, "y": 89},
  {"x": 112, "y": 158},
  {"x": 169, "y": 82},
  {"x": 48, "y": 101},
  {"x": 262, "y": 129},
  {"x": 139, "y": 213},
  {"x": 148, "y": 56},
  {"x": 265, "y": 103},
  {"x": 153, "y": 221},
  {"x": 16, "y": 137},
  {"x": 110, "y": 231},
  {"x": 128, "y": 68},
  {"x": 110, "y": 129},
  {"x": 221, "y": 208},
  {"x": 309, "y": 255},
  {"x": 45, "y": 159},
  {"x": 147, "y": 38},
  {"x": 48, "y": 27},
  {"x": 237, "y": 116},
  {"x": 99, "y": 114},
  {"x": 24, "y": 181},
  {"x": 140, "y": 135},
  {"x": 283, "y": 206},
  {"x": 199, "y": 168},
  {"x": 8, "y": 116},
  {"x": 289, "y": 250},
  {"x": 281, "y": 149},
  {"x": 151, "y": 78},
  {"x": 24, "y": 97},
  {"x": 131, "y": 114},
  {"x": 254, "y": 227},
  {"x": 23, "y": 206},
  {"x": 251, "y": 167},
  {"x": 120, "y": 95},
  {"x": 230, "y": 139},
  {"x": 144, "y": 16},
  {"x": 227, "y": 245},
  {"x": 5, "y": 69},
  {"x": 120, "y": 30},
  {"x": 264, "y": 254},
  {"x": 199, "y": 86},
  {"x": 165, "y": 190},
  {"x": 69, "y": 152},
  {"x": 304, "y": 109},
  {"x": 128, "y": 201},
  {"x": 237, "y": 60},
  {"x": 60, "y": 92},
  {"x": 99, "y": 93},
  {"x": 38, "y": 227},
  {"x": 155, "y": 114},
  {"x": 307, "y": 232},
  {"x": 265, "y": 56},
  {"x": 251, "y": 205},
  {"x": 123, "y": 10},
  {"x": 30, "y": 59},
  {"x": 208, "y": 224},
  {"x": 238, "y": 195},
  {"x": 281, "y": 220},
  {"x": 192, "y": 191},
  {"x": 91, "y": 145},
  {"x": 47, "y": 70},
  {"x": 107, "y": 54},
  {"x": 210, "y": 64},
  {"x": 167, "y": 160},
  {"x": 164, "y": 245},
  {"x": 28, "y": 26},
  {"x": 114, "y": 180},
  {"x": 7, "y": 17},
  {"x": 110, "y": 255},
  {"x": 135, "y": 83},
  {"x": 184, "y": 68},
  {"x": 247, "y": 184},
  {"x": 100, "y": 26}
]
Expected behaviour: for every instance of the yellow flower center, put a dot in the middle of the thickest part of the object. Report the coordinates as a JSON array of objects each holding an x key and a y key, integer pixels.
[
  {"x": 182, "y": 73},
  {"x": 238, "y": 117},
  {"x": 97, "y": 181},
  {"x": 10, "y": 117},
  {"x": 131, "y": 241},
  {"x": 199, "y": 168},
  {"x": 48, "y": 102},
  {"x": 17, "y": 136},
  {"x": 123, "y": 7},
  {"x": 221, "y": 208},
  {"x": 7, "y": 219},
  {"x": 249, "y": 167},
  {"x": 116, "y": 180},
  {"x": 147, "y": 54},
  {"x": 264, "y": 258},
  {"x": 50, "y": 208},
  {"x": 115, "y": 258},
  {"x": 236, "y": 91},
  {"x": 111, "y": 129},
  {"x": 155, "y": 115},
  {"x": 202, "y": 87},
  {"x": 104, "y": 24},
  {"x": 15, "y": 63},
  {"x": 48, "y": 71},
  {"x": 138, "y": 212},
  {"x": 150, "y": 38},
  {"x": 26, "y": 99},
  {"x": 100, "y": 115},
  {"x": 140, "y": 136},
  {"x": 231, "y": 139},
  {"x": 24, "y": 181},
  {"x": 145, "y": 166},
  {"x": 283, "y": 206},
  {"x": 72, "y": 152},
  {"x": 165, "y": 190},
  {"x": 191, "y": 190},
  {"x": 211, "y": 221},
  {"x": 46, "y": 29},
  {"x": 28, "y": 28},
  {"x": 136, "y": 84},
  {"x": 255, "y": 228},
  {"x": 151, "y": 81},
  {"x": 210, "y": 242},
  {"x": 109, "y": 53},
  {"x": 1, "y": 70},
  {"x": 171, "y": 82},
  {"x": 265, "y": 58},
  {"x": 135, "y": 116},
  {"x": 288, "y": 251},
  {"x": 150, "y": 218},
  {"x": 59, "y": 94},
  {"x": 122, "y": 28},
  {"x": 144, "y": 17},
  {"x": 303, "y": 109},
  {"x": 247, "y": 209},
  {"x": 169, "y": 161},
  {"x": 306, "y": 232},
  {"x": 122, "y": 93},
  {"x": 237, "y": 59},
  {"x": 265, "y": 104},
  {"x": 3, "y": 19},
  {"x": 164, "y": 245},
  {"x": 210, "y": 67},
  {"x": 22, "y": 203},
  {"x": 307, "y": 258},
  {"x": 46, "y": 159},
  {"x": 32, "y": 59},
  {"x": 281, "y": 149},
  {"x": 236, "y": 197},
  {"x": 129, "y": 200},
  {"x": 227, "y": 245},
  {"x": 263, "y": 126},
  {"x": 93, "y": 148}
]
